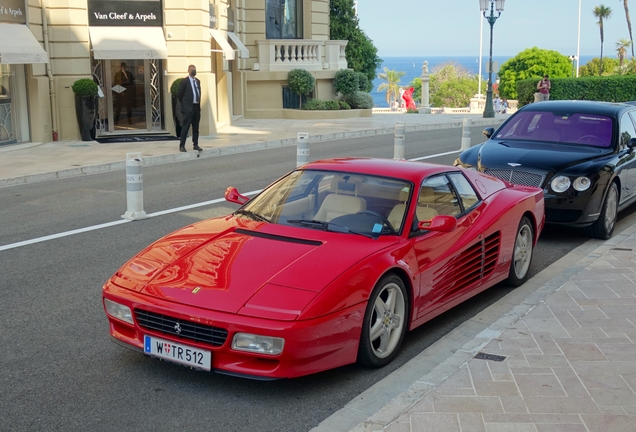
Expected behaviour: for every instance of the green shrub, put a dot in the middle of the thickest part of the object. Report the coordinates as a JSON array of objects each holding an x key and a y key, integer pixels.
[
  {"x": 174, "y": 87},
  {"x": 85, "y": 87},
  {"x": 332, "y": 105},
  {"x": 314, "y": 104},
  {"x": 346, "y": 82},
  {"x": 344, "y": 105},
  {"x": 412, "y": 111},
  {"x": 364, "y": 83},
  {"x": 359, "y": 100},
  {"x": 301, "y": 82}
]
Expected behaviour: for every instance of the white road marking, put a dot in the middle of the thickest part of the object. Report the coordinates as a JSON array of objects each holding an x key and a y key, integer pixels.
[{"x": 160, "y": 213}]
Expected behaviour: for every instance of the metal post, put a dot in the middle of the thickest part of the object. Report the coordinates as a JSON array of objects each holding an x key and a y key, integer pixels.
[
  {"x": 398, "y": 142},
  {"x": 134, "y": 188},
  {"x": 302, "y": 148},
  {"x": 466, "y": 134}
]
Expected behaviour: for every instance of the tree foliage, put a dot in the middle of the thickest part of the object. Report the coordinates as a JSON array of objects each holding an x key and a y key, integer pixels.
[
  {"x": 391, "y": 84},
  {"x": 593, "y": 67},
  {"x": 361, "y": 54},
  {"x": 602, "y": 12},
  {"x": 532, "y": 63},
  {"x": 301, "y": 82}
]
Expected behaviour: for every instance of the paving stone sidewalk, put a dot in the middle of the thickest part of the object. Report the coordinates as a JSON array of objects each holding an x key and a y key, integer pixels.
[{"x": 570, "y": 362}]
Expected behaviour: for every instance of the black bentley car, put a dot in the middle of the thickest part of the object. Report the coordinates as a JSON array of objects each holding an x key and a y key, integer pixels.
[{"x": 580, "y": 152}]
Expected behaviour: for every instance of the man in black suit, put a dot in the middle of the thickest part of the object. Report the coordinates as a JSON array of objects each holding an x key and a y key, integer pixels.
[{"x": 189, "y": 94}]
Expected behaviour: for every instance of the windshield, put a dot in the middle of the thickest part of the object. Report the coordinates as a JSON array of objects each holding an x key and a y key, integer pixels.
[
  {"x": 334, "y": 201},
  {"x": 571, "y": 128}
]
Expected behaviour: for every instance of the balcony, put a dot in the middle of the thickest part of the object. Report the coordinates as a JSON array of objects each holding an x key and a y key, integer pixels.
[{"x": 313, "y": 55}]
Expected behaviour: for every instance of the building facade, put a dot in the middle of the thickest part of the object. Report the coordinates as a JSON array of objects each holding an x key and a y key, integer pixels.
[{"x": 136, "y": 49}]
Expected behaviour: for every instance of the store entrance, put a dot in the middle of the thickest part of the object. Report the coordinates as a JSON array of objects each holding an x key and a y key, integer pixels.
[{"x": 131, "y": 101}]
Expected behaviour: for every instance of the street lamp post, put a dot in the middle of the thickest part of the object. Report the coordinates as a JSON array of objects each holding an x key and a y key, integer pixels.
[
  {"x": 573, "y": 58},
  {"x": 497, "y": 5}
]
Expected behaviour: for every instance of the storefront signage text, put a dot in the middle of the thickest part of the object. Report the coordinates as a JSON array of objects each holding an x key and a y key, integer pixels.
[
  {"x": 12, "y": 11},
  {"x": 124, "y": 13}
]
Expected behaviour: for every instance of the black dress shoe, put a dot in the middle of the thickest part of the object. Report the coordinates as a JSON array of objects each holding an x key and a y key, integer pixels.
[
  {"x": 182, "y": 149},
  {"x": 197, "y": 148}
]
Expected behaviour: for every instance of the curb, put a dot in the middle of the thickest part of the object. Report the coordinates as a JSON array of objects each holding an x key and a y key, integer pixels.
[{"x": 230, "y": 150}]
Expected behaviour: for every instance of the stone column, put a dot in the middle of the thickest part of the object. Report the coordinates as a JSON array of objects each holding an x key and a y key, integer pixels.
[{"x": 425, "y": 108}]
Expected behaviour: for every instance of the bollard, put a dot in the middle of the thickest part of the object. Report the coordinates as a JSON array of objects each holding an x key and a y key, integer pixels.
[
  {"x": 134, "y": 188},
  {"x": 466, "y": 134},
  {"x": 398, "y": 142},
  {"x": 302, "y": 148}
]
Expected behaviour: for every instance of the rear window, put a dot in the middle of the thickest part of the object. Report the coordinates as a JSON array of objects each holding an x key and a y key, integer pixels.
[{"x": 577, "y": 128}]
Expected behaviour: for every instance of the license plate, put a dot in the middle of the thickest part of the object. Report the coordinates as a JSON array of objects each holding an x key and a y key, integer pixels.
[{"x": 178, "y": 353}]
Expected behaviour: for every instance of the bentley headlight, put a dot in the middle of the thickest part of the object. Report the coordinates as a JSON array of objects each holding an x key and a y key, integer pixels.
[
  {"x": 582, "y": 183},
  {"x": 560, "y": 184}
]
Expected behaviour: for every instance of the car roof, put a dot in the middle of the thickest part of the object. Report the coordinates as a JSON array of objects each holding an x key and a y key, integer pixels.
[
  {"x": 407, "y": 170},
  {"x": 581, "y": 106}
]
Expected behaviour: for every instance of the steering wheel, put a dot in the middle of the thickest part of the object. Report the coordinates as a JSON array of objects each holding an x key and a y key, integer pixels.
[
  {"x": 384, "y": 220},
  {"x": 591, "y": 139}
]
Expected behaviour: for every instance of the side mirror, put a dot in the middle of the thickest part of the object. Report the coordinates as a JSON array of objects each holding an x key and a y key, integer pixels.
[
  {"x": 488, "y": 132},
  {"x": 232, "y": 195},
  {"x": 439, "y": 223},
  {"x": 631, "y": 143}
]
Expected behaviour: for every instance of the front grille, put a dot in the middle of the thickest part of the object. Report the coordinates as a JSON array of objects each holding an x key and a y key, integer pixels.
[
  {"x": 523, "y": 178},
  {"x": 201, "y": 333},
  {"x": 552, "y": 215}
]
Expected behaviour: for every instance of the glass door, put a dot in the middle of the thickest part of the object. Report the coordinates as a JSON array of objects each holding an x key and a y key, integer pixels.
[
  {"x": 7, "y": 129},
  {"x": 127, "y": 107}
]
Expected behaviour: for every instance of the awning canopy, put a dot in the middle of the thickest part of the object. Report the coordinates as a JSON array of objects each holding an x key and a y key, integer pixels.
[
  {"x": 128, "y": 43},
  {"x": 19, "y": 46},
  {"x": 245, "y": 53},
  {"x": 228, "y": 51}
]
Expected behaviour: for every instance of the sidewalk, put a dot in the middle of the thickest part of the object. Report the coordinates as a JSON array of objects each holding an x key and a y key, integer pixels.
[
  {"x": 567, "y": 360},
  {"x": 34, "y": 162}
]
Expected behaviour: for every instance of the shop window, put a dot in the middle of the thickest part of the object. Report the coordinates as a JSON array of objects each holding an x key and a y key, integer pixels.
[{"x": 283, "y": 19}]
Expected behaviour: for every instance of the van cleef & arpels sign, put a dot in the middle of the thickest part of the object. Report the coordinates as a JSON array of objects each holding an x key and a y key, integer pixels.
[
  {"x": 12, "y": 11},
  {"x": 124, "y": 13}
]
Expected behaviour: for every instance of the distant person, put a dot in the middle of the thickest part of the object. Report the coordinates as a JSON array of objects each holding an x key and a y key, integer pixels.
[
  {"x": 544, "y": 87},
  {"x": 189, "y": 94},
  {"x": 497, "y": 104},
  {"x": 125, "y": 97},
  {"x": 504, "y": 106}
]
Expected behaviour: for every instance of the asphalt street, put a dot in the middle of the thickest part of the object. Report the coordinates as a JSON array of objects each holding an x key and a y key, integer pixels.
[{"x": 60, "y": 371}]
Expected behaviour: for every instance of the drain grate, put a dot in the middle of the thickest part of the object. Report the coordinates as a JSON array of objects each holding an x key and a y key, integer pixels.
[{"x": 492, "y": 357}]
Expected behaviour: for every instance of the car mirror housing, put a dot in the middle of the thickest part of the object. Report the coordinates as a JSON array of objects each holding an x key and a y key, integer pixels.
[
  {"x": 440, "y": 223},
  {"x": 488, "y": 132},
  {"x": 631, "y": 143},
  {"x": 232, "y": 195}
]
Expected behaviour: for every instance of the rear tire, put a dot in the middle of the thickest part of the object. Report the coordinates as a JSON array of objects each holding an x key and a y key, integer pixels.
[
  {"x": 385, "y": 322},
  {"x": 522, "y": 254},
  {"x": 604, "y": 225}
]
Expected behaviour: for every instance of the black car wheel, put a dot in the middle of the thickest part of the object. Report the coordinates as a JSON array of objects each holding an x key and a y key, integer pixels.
[
  {"x": 604, "y": 225},
  {"x": 522, "y": 254},
  {"x": 385, "y": 322}
]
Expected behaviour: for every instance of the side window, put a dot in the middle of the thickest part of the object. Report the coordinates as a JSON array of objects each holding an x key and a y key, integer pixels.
[
  {"x": 467, "y": 194},
  {"x": 436, "y": 197},
  {"x": 283, "y": 19},
  {"x": 627, "y": 130}
]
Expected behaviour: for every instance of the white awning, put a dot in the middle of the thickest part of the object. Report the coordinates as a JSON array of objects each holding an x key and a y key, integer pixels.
[
  {"x": 228, "y": 51},
  {"x": 19, "y": 46},
  {"x": 128, "y": 43},
  {"x": 245, "y": 53}
]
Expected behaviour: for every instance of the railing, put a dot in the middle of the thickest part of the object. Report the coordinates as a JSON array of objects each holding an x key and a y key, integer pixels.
[{"x": 288, "y": 54}]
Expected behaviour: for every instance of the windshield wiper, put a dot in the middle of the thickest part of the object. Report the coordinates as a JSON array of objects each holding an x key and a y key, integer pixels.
[
  {"x": 253, "y": 215},
  {"x": 327, "y": 226}
]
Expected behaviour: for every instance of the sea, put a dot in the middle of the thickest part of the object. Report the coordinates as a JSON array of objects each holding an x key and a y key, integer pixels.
[{"x": 412, "y": 66}]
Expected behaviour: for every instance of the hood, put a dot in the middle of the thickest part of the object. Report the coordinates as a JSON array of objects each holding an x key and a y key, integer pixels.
[
  {"x": 221, "y": 264},
  {"x": 536, "y": 155}
]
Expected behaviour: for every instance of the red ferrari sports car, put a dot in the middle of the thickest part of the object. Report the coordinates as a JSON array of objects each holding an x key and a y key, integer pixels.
[{"x": 329, "y": 265}]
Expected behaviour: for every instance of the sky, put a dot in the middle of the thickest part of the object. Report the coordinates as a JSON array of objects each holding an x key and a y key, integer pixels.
[{"x": 451, "y": 27}]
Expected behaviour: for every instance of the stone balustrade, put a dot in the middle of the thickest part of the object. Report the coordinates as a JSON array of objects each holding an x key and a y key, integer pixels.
[{"x": 311, "y": 55}]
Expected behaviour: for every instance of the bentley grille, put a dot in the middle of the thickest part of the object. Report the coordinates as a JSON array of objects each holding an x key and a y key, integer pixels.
[
  {"x": 523, "y": 178},
  {"x": 183, "y": 329}
]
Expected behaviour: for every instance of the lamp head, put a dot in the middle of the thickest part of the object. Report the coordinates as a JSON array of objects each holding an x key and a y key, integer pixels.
[{"x": 500, "y": 5}]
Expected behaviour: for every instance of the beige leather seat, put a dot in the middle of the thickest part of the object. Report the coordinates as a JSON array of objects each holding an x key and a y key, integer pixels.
[
  {"x": 343, "y": 201},
  {"x": 397, "y": 213},
  {"x": 425, "y": 204}
]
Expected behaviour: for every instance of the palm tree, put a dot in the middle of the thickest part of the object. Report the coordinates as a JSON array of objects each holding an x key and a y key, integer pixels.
[
  {"x": 602, "y": 12},
  {"x": 392, "y": 84},
  {"x": 621, "y": 49},
  {"x": 629, "y": 25}
]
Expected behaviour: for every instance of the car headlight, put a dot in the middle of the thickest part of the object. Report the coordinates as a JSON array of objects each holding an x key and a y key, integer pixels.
[
  {"x": 118, "y": 311},
  {"x": 258, "y": 344},
  {"x": 582, "y": 183},
  {"x": 560, "y": 183}
]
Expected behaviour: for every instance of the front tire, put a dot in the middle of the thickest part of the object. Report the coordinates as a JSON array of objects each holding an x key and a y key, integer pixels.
[
  {"x": 385, "y": 322},
  {"x": 604, "y": 225},
  {"x": 522, "y": 254}
]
